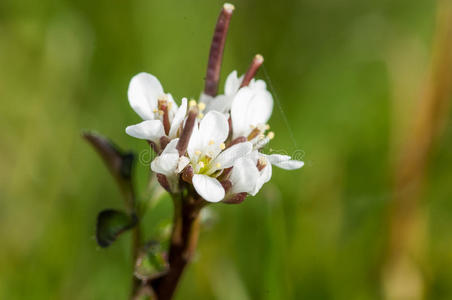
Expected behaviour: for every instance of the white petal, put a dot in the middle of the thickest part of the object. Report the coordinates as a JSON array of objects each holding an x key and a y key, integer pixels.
[
  {"x": 265, "y": 176},
  {"x": 221, "y": 103},
  {"x": 258, "y": 84},
  {"x": 213, "y": 127},
  {"x": 144, "y": 89},
  {"x": 195, "y": 143},
  {"x": 290, "y": 164},
  {"x": 183, "y": 162},
  {"x": 254, "y": 156},
  {"x": 208, "y": 188},
  {"x": 165, "y": 164},
  {"x": 276, "y": 158},
  {"x": 178, "y": 118},
  {"x": 148, "y": 130},
  {"x": 232, "y": 84},
  {"x": 171, "y": 147},
  {"x": 284, "y": 161},
  {"x": 244, "y": 176},
  {"x": 206, "y": 99},
  {"x": 227, "y": 158},
  {"x": 250, "y": 107}
]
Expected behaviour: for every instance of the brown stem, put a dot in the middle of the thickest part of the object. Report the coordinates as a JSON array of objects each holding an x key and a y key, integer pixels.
[
  {"x": 216, "y": 50},
  {"x": 184, "y": 239},
  {"x": 258, "y": 60}
]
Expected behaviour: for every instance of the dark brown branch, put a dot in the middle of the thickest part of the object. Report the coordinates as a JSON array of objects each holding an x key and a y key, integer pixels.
[{"x": 216, "y": 50}]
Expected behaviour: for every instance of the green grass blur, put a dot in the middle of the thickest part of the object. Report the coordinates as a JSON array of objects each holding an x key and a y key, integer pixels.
[{"x": 346, "y": 75}]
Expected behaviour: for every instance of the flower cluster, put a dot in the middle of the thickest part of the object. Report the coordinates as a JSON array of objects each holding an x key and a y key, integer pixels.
[{"x": 214, "y": 144}]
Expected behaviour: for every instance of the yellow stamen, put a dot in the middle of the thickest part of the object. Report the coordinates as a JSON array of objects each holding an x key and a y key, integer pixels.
[
  {"x": 222, "y": 146},
  {"x": 201, "y": 164},
  {"x": 211, "y": 142},
  {"x": 197, "y": 152},
  {"x": 271, "y": 135},
  {"x": 155, "y": 110},
  {"x": 200, "y": 115},
  {"x": 218, "y": 165},
  {"x": 161, "y": 112},
  {"x": 201, "y": 106},
  {"x": 267, "y": 127},
  {"x": 192, "y": 103}
]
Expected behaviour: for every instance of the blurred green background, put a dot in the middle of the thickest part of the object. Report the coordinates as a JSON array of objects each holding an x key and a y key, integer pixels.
[{"x": 346, "y": 73}]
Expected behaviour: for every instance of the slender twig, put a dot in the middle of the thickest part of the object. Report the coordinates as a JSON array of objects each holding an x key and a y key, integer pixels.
[
  {"x": 410, "y": 170},
  {"x": 258, "y": 60},
  {"x": 216, "y": 50}
]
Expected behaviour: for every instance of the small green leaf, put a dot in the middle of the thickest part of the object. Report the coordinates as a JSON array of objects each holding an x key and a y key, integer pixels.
[{"x": 110, "y": 224}]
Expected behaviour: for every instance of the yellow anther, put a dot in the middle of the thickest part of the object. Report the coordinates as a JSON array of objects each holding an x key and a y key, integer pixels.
[
  {"x": 201, "y": 106},
  {"x": 211, "y": 142},
  {"x": 200, "y": 115},
  {"x": 161, "y": 112},
  {"x": 197, "y": 152},
  {"x": 267, "y": 127},
  {"x": 271, "y": 135},
  {"x": 155, "y": 110},
  {"x": 201, "y": 164},
  {"x": 261, "y": 127},
  {"x": 192, "y": 103},
  {"x": 163, "y": 97},
  {"x": 218, "y": 165},
  {"x": 222, "y": 146}
]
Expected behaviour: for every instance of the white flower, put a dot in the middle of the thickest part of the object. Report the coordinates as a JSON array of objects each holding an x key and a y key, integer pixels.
[
  {"x": 160, "y": 113},
  {"x": 222, "y": 103},
  {"x": 208, "y": 156},
  {"x": 250, "y": 111}
]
